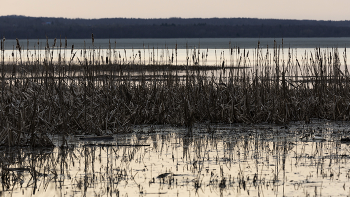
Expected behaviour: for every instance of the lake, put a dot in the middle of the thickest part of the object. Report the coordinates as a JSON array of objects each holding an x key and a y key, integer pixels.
[
  {"x": 207, "y": 51},
  {"x": 288, "y": 158},
  {"x": 217, "y": 160},
  {"x": 202, "y": 43}
]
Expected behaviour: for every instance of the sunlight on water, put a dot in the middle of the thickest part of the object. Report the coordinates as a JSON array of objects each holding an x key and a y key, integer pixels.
[
  {"x": 206, "y": 51},
  {"x": 217, "y": 160}
]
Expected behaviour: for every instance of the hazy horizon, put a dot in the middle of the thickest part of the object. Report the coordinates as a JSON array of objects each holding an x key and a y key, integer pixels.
[
  {"x": 168, "y": 18},
  {"x": 336, "y": 10}
]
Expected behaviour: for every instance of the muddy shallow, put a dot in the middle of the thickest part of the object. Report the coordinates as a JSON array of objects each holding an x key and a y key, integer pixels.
[{"x": 216, "y": 160}]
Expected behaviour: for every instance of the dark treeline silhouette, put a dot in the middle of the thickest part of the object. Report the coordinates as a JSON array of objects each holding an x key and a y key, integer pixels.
[{"x": 39, "y": 27}]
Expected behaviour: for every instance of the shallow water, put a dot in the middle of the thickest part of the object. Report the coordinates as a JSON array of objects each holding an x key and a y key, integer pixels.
[
  {"x": 230, "y": 57},
  {"x": 217, "y": 160},
  {"x": 204, "y": 51}
]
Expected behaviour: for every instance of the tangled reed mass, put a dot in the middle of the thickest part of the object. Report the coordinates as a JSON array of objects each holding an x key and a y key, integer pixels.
[{"x": 93, "y": 97}]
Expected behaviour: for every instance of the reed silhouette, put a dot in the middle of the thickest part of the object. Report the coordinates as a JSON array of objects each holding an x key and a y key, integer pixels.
[{"x": 93, "y": 95}]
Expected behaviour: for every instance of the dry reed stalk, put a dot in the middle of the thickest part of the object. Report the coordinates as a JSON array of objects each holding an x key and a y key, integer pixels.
[{"x": 97, "y": 103}]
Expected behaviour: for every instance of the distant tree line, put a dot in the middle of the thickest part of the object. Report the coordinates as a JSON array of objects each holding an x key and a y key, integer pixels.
[{"x": 36, "y": 28}]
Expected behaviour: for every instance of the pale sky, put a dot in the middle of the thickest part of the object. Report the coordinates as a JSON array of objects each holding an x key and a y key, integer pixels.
[{"x": 278, "y": 9}]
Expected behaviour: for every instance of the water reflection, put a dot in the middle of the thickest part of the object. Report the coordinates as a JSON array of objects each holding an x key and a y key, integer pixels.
[
  {"x": 217, "y": 160},
  {"x": 195, "y": 51}
]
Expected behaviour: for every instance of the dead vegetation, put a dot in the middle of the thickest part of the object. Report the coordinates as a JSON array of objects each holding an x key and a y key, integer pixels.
[{"x": 47, "y": 97}]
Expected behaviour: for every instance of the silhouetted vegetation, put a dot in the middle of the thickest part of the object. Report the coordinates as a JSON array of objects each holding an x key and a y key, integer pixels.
[
  {"x": 93, "y": 96},
  {"x": 30, "y": 27}
]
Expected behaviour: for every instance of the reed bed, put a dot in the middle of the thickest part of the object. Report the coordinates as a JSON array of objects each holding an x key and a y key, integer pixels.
[{"x": 101, "y": 96}]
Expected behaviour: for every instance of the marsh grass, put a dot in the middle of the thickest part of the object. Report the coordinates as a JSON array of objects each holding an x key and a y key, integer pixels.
[{"x": 100, "y": 95}]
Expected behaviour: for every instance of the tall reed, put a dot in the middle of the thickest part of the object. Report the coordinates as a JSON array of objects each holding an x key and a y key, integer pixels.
[{"x": 93, "y": 96}]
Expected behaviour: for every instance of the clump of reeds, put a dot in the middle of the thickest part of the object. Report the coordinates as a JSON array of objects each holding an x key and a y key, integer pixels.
[{"x": 100, "y": 98}]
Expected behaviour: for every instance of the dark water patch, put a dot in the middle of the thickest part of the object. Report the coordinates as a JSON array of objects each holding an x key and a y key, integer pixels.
[{"x": 97, "y": 138}]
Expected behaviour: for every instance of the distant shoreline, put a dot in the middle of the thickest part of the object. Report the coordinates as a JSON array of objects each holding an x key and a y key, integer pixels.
[{"x": 22, "y": 27}]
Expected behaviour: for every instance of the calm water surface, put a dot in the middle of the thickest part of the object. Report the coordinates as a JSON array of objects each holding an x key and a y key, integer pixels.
[
  {"x": 202, "y": 43},
  {"x": 202, "y": 51},
  {"x": 217, "y": 160}
]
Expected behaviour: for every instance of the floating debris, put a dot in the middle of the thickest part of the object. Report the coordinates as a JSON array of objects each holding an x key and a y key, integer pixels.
[
  {"x": 16, "y": 169},
  {"x": 318, "y": 138},
  {"x": 345, "y": 140},
  {"x": 222, "y": 183},
  {"x": 97, "y": 138},
  {"x": 162, "y": 176},
  {"x": 133, "y": 145}
]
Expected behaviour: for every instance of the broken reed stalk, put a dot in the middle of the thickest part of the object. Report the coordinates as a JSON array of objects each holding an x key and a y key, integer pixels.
[{"x": 107, "y": 97}]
